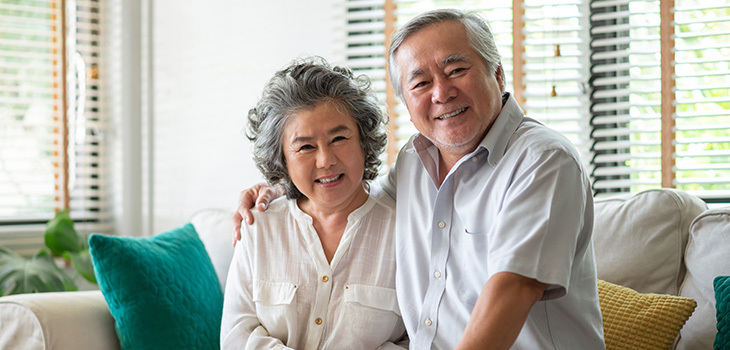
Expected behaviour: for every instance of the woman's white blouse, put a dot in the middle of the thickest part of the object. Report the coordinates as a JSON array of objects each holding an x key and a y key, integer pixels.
[{"x": 282, "y": 293}]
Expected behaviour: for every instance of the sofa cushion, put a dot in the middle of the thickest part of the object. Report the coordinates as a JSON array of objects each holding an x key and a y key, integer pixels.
[
  {"x": 639, "y": 240},
  {"x": 632, "y": 320},
  {"x": 162, "y": 291},
  {"x": 722, "y": 306},
  {"x": 706, "y": 257}
]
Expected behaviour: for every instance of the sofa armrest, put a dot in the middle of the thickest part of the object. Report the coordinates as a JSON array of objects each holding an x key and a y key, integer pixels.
[{"x": 59, "y": 321}]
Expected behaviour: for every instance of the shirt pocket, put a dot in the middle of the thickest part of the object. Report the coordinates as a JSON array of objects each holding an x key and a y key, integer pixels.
[
  {"x": 276, "y": 307},
  {"x": 380, "y": 298},
  {"x": 274, "y": 293}
]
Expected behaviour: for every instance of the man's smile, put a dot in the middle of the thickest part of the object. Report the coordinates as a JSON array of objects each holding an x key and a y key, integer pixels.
[{"x": 454, "y": 113}]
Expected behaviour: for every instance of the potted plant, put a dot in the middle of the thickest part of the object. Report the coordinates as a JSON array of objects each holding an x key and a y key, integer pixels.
[{"x": 41, "y": 273}]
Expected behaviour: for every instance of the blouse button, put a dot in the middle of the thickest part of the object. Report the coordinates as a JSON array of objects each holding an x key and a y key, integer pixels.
[
  {"x": 325, "y": 278},
  {"x": 318, "y": 321},
  {"x": 442, "y": 224},
  {"x": 428, "y": 322},
  {"x": 437, "y": 274}
]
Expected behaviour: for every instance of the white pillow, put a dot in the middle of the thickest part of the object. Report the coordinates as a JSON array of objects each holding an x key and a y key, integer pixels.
[
  {"x": 215, "y": 228},
  {"x": 639, "y": 240},
  {"x": 707, "y": 256}
]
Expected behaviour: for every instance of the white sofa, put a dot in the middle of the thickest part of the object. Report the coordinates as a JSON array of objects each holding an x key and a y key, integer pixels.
[{"x": 659, "y": 241}]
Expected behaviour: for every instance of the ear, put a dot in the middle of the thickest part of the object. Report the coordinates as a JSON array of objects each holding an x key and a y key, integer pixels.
[{"x": 499, "y": 75}]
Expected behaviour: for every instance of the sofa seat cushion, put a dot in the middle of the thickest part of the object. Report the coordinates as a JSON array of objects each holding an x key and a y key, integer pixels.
[
  {"x": 162, "y": 291},
  {"x": 633, "y": 320},
  {"x": 707, "y": 256},
  {"x": 639, "y": 240}
]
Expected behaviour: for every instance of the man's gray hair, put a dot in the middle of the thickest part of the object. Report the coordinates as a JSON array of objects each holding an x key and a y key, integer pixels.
[
  {"x": 477, "y": 31},
  {"x": 303, "y": 85}
]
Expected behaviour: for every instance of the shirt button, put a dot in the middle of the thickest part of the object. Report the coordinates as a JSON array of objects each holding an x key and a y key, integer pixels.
[
  {"x": 325, "y": 278},
  {"x": 474, "y": 159},
  {"x": 437, "y": 274},
  {"x": 442, "y": 224},
  {"x": 318, "y": 321},
  {"x": 428, "y": 322}
]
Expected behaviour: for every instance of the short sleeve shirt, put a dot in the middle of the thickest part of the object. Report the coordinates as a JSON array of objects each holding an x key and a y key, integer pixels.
[{"x": 521, "y": 203}]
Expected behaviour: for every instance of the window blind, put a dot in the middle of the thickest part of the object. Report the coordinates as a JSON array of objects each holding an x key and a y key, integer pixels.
[
  {"x": 30, "y": 107},
  {"x": 626, "y": 95},
  {"x": 593, "y": 71},
  {"x": 47, "y": 165},
  {"x": 556, "y": 67},
  {"x": 364, "y": 47},
  {"x": 626, "y": 103},
  {"x": 702, "y": 60}
]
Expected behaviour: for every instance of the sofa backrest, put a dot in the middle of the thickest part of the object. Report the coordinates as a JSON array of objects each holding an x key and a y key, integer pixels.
[
  {"x": 639, "y": 240},
  {"x": 706, "y": 257},
  {"x": 215, "y": 228}
]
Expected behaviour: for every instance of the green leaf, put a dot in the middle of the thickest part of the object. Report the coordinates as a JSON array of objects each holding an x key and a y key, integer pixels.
[
  {"x": 61, "y": 235},
  {"x": 82, "y": 263},
  {"x": 37, "y": 274}
]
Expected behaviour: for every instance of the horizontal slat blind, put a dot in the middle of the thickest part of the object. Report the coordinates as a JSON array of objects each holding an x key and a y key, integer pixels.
[
  {"x": 626, "y": 103},
  {"x": 364, "y": 46},
  {"x": 32, "y": 152},
  {"x": 556, "y": 67},
  {"x": 702, "y": 55},
  {"x": 30, "y": 109},
  {"x": 626, "y": 98}
]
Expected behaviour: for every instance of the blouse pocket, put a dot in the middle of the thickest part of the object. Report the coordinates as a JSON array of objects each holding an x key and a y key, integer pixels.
[
  {"x": 274, "y": 293},
  {"x": 276, "y": 307},
  {"x": 372, "y": 296}
]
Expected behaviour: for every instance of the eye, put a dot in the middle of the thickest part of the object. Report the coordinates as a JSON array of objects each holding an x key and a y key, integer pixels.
[
  {"x": 305, "y": 148},
  {"x": 338, "y": 138},
  {"x": 457, "y": 71},
  {"x": 420, "y": 84}
]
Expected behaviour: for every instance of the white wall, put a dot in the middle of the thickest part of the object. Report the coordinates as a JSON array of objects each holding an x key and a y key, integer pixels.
[{"x": 209, "y": 61}]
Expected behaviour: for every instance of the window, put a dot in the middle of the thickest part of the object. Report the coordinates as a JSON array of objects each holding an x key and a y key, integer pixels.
[
  {"x": 660, "y": 106},
  {"x": 51, "y": 122},
  {"x": 641, "y": 86}
]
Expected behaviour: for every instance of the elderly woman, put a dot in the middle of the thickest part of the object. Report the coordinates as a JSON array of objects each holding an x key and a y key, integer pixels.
[{"x": 317, "y": 270}]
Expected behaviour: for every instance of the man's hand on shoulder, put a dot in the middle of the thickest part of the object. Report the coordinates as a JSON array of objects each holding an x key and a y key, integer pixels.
[{"x": 261, "y": 195}]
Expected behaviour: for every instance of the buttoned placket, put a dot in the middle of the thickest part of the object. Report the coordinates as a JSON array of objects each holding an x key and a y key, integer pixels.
[
  {"x": 442, "y": 223},
  {"x": 440, "y": 237},
  {"x": 317, "y": 319}
]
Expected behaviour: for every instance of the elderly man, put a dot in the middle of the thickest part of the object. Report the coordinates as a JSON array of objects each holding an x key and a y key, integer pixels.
[{"x": 494, "y": 210}]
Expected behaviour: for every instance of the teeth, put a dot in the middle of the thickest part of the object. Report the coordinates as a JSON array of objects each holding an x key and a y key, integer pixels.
[
  {"x": 330, "y": 180},
  {"x": 449, "y": 115}
]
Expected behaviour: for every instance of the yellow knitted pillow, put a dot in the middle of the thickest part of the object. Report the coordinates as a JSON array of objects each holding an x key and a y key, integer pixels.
[{"x": 633, "y": 320}]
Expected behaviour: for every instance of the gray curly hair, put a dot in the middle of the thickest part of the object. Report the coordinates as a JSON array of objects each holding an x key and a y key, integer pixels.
[
  {"x": 303, "y": 85},
  {"x": 477, "y": 31}
]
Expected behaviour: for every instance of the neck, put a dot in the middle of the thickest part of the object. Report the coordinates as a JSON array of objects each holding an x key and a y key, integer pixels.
[{"x": 330, "y": 222}]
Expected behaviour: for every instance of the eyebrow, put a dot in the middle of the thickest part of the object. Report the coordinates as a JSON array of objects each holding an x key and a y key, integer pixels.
[
  {"x": 457, "y": 57},
  {"x": 334, "y": 130}
]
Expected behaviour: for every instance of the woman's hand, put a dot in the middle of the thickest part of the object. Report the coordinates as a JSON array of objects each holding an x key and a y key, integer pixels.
[{"x": 261, "y": 194}]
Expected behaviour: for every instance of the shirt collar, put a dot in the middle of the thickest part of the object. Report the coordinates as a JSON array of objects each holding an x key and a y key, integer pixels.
[{"x": 501, "y": 131}]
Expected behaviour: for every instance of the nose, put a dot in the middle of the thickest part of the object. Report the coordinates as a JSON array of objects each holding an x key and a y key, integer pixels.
[
  {"x": 325, "y": 158},
  {"x": 443, "y": 91}
]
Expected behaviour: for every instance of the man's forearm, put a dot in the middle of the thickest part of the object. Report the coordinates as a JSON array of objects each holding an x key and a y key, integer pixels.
[{"x": 500, "y": 311}]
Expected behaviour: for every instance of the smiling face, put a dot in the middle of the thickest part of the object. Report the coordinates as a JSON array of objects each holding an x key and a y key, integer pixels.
[
  {"x": 450, "y": 94},
  {"x": 324, "y": 158}
]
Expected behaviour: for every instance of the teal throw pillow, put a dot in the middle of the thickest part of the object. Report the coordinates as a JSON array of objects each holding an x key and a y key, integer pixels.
[
  {"x": 162, "y": 291},
  {"x": 722, "y": 305}
]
